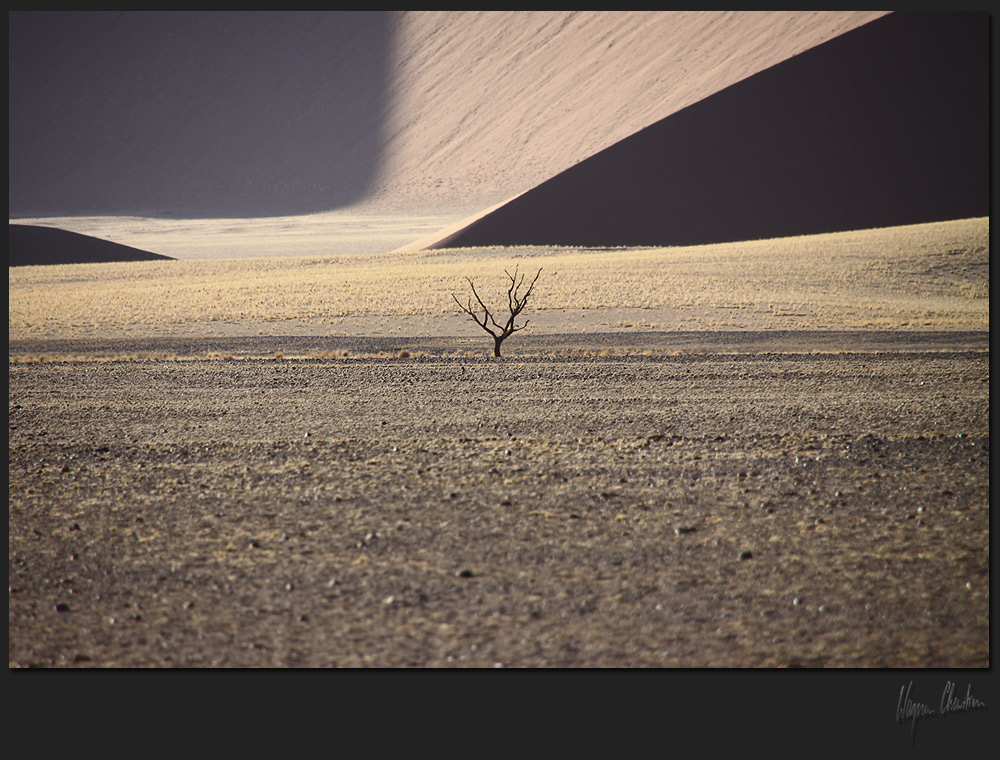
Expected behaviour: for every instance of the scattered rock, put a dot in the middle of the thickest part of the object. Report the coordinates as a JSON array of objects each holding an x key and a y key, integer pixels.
[{"x": 558, "y": 563}]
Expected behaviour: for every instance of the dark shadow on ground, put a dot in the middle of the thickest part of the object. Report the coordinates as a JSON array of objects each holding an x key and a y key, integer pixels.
[
  {"x": 885, "y": 125},
  {"x": 194, "y": 114},
  {"x": 29, "y": 246},
  {"x": 595, "y": 347}
]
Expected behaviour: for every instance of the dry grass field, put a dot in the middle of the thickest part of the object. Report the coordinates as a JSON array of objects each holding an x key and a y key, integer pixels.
[
  {"x": 765, "y": 454},
  {"x": 925, "y": 277}
]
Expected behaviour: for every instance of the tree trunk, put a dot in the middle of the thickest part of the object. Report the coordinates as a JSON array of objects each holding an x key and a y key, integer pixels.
[{"x": 496, "y": 346}]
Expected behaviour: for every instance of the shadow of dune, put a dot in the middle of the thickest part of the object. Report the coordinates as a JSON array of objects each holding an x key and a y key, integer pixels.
[
  {"x": 194, "y": 114},
  {"x": 885, "y": 125},
  {"x": 28, "y": 245}
]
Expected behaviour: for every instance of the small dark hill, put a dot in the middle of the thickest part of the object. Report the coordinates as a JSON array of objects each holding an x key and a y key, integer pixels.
[
  {"x": 885, "y": 125},
  {"x": 29, "y": 245}
]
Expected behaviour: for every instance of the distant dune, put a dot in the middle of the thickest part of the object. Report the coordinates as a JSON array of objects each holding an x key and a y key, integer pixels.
[
  {"x": 31, "y": 245},
  {"x": 883, "y": 126},
  {"x": 488, "y": 104},
  {"x": 503, "y": 127},
  {"x": 262, "y": 114}
]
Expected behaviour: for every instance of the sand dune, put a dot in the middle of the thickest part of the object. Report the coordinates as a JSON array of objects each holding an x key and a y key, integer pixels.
[
  {"x": 206, "y": 115},
  {"x": 386, "y": 131},
  {"x": 34, "y": 245},
  {"x": 885, "y": 125},
  {"x": 488, "y": 104}
]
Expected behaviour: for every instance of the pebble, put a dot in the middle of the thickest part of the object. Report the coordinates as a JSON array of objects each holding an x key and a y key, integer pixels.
[{"x": 347, "y": 495}]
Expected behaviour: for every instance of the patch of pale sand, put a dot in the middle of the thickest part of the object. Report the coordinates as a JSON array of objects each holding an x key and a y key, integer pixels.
[{"x": 334, "y": 233}]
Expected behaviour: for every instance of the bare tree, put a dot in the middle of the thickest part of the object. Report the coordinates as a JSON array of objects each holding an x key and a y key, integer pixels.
[{"x": 515, "y": 304}]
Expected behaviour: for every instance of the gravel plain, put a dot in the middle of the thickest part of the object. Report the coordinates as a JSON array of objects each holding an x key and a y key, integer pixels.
[{"x": 732, "y": 500}]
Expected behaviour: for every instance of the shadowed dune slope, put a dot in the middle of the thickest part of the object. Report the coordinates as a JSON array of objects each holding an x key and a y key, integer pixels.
[
  {"x": 30, "y": 245},
  {"x": 199, "y": 114},
  {"x": 885, "y": 125},
  {"x": 194, "y": 113}
]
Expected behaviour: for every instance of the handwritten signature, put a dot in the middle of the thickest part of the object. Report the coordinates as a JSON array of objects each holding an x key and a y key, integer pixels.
[{"x": 909, "y": 710}]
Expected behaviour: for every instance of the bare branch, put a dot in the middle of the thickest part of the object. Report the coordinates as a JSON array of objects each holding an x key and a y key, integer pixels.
[
  {"x": 473, "y": 314},
  {"x": 515, "y": 304}
]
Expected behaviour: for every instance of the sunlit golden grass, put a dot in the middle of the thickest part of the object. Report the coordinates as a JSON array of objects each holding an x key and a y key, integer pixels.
[{"x": 923, "y": 277}]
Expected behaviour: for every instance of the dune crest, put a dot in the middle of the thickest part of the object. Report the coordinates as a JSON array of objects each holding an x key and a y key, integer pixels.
[
  {"x": 867, "y": 130},
  {"x": 207, "y": 115},
  {"x": 488, "y": 104},
  {"x": 30, "y": 245},
  {"x": 493, "y": 127}
]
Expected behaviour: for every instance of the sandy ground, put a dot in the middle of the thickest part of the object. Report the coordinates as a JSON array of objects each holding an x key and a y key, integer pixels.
[
  {"x": 728, "y": 507},
  {"x": 345, "y": 231},
  {"x": 772, "y": 494}
]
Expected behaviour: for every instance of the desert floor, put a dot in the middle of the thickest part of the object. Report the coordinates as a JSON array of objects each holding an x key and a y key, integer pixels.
[
  {"x": 708, "y": 509},
  {"x": 739, "y": 483}
]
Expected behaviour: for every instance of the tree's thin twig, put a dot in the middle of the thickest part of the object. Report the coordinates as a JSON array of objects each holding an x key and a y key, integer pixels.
[{"x": 515, "y": 304}]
